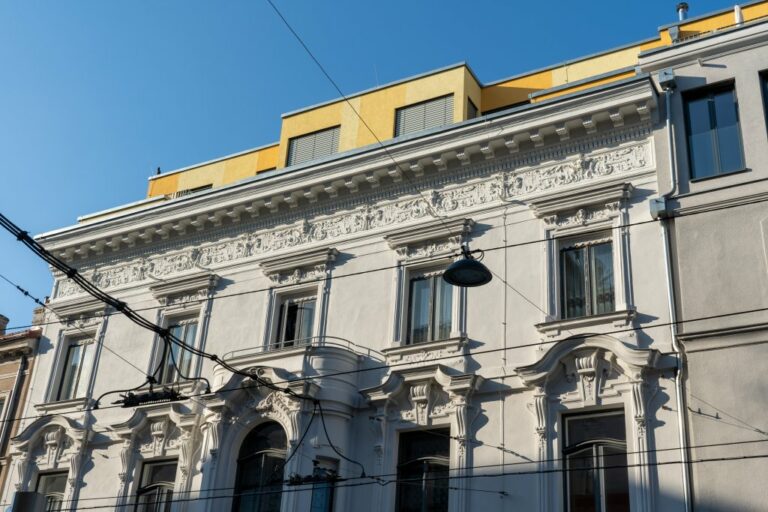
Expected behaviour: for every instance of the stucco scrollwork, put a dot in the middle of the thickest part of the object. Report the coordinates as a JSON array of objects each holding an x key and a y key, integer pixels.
[{"x": 509, "y": 184}]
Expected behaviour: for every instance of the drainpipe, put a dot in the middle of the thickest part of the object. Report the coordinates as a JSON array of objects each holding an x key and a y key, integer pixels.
[{"x": 658, "y": 207}]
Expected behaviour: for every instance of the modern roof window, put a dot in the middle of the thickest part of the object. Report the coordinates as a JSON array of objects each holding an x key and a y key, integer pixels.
[
  {"x": 312, "y": 146},
  {"x": 425, "y": 115}
]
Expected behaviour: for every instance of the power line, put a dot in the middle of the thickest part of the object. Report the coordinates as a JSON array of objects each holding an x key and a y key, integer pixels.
[
  {"x": 468, "y": 477},
  {"x": 452, "y": 356}
]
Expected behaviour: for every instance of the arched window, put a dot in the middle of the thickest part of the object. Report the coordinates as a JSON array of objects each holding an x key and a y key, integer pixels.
[
  {"x": 422, "y": 471},
  {"x": 259, "y": 483}
]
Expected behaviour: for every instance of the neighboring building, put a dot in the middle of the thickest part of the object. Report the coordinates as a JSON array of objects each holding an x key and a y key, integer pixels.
[
  {"x": 16, "y": 362},
  {"x": 719, "y": 246},
  {"x": 316, "y": 262}
]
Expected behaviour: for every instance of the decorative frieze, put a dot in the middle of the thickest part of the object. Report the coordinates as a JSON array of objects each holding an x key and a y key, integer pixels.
[{"x": 495, "y": 189}]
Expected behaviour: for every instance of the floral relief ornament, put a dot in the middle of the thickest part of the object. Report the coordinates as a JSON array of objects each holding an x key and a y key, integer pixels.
[{"x": 506, "y": 185}]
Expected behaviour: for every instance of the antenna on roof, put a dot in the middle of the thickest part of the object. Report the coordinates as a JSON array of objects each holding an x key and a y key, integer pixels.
[
  {"x": 682, "y": 11},
  {"x": 158, "y": 171}
]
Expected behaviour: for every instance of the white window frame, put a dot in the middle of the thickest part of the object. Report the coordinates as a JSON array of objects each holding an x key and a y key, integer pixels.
[
  {"x": 588, "y": 217},
  {"x": 67, "y": 338},
  {"x": 172, "y": 318},
  {"x": 301, "y": 274},
  {"x": 406, "y": 273},
  {"x": 293, "y": 294},
  {"x": 581, "y": 242},
  {"x": 426, "y": 248},
  {"x": 142, "y": 467}
]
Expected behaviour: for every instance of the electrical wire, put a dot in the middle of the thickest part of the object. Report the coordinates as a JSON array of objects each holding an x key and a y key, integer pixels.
[{"x": 307, "y": 487}]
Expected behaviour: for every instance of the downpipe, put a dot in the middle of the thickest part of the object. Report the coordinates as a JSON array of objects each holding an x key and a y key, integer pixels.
[{"x": 659, "y": 211}]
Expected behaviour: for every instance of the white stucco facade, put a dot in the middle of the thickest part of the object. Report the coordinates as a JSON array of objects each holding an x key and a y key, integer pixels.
[{"x": 351, "y": 231}]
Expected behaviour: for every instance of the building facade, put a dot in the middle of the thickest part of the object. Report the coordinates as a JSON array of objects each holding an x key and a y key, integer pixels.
[
  {"x": 569, "y": 382},
  {"x": 16, "y": 362}
]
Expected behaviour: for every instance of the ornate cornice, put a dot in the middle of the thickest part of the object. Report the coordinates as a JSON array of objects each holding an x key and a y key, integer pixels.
[
  {"x": 522, "y": 136},
  {"x": 580, "y": 171}
]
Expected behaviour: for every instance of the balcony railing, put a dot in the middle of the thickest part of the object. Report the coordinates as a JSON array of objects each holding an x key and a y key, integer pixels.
[{"x": 314, "y": 342}]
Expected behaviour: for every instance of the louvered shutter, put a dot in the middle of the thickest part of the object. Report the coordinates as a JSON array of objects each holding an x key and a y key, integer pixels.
[
  {"x": 423, "y": 116},
  {"x": 313, "y": 146}
]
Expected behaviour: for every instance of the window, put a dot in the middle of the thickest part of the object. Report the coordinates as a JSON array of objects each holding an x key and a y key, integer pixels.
[
  {"x": 422, "y": 471},
  {"x": 78, "y": 361},
  {"x": 430, "y": 304},
  {"x": 186, "y": 331},
  {"x": 423, "y": 116},
  {"x": 586, "y": 279},
  {"x": 156, "y": 491},
  {"x": 52, "y": 486},
  {"x": 313, "y": 145},
  {"x": 472, "y": 111},
  {"x": 324, "y": 477},
  {"x": 296, "y": 320},
  {"x": 259, "y": 481},
  {"x": 714, "y": 136},
  {"x": 596, "y": 459}
]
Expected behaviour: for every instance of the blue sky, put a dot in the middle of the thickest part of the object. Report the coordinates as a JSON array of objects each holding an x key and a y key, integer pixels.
[{"x": 95, "y": 95}]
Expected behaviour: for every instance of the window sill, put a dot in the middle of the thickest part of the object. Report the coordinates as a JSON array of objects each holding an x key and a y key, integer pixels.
[
  {"x": 721, "y": 175},
  {"x": 62, "y": 405},
  {"x": 426, "y": 351},
  {"x": 616, "y": 318}
]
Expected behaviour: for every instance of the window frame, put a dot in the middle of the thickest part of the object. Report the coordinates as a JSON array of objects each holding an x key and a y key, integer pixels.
[
  {"x": 68, "y": 341},
  {"x": 436, "y": 460},
  {"x": 586, "y": 244},
  {"x": 709, "y": 91},
  {"x": 170, "y": 322},
  {"x": 296, "y": 293},
  {"x": 144, "y": 489},
  {"x": 594, "y": 444},
  {"x": 281, "y": 318},
  {"x": 435, "y": 279},
  {"x": 278, "y": 453},
  {"x": 45, "y": 474}
]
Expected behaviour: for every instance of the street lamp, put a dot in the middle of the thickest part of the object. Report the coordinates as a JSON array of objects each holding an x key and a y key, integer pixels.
[{"x": 467, "y": 271}]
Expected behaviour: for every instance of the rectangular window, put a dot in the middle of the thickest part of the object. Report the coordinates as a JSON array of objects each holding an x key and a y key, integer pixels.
[
  {"x": 155, "y": 493},
  {"x": 177, "y": 361},
  {"x": 430, "y": 303},
  {"x": 422, "y": 471},
  {"x": 313, "y": 145},
  {"x": 472, "y": 111},
  {"x": 324, "y": 477},
  {"x": 586, "y": 279},
  {"x": 424, "y": 115},
  {"x": 714, "y": 135},
  {"x": 52, "y": 486},
  {"x": 78, "y": 361},
  {"x": 596, "y": 459},
  {"x": 296, "y": 320}
]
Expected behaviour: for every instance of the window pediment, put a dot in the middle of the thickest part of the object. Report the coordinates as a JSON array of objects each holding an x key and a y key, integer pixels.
[
  {"x": 300, "y": 266},
  {"x": 434, "y": 239},
  {"x": 184, "y": 288},
  {"x": 550, "y": 207}
]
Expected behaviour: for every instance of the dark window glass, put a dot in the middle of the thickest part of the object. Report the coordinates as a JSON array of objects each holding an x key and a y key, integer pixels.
[
  {"x": 259, "y": 483},
  {"x": 714, "y": 135},
  {"x": 596, "y": 459},
  {"x": 587, "y": 280},
  {"x": 472, "y": 111},
  {"x": 430, "y": 301},
  {"x": 422, "y": 471},
  {"x": 156, "y": 491},
  {"x": 77, "y": 364},
  {"x": 295, "y": 321},
  {"x": 52, "y": 486},
  {"x": 186, "y": 332}
]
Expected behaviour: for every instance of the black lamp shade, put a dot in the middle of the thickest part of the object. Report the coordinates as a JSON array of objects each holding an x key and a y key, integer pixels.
[{"x": 467, "y": 272}]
